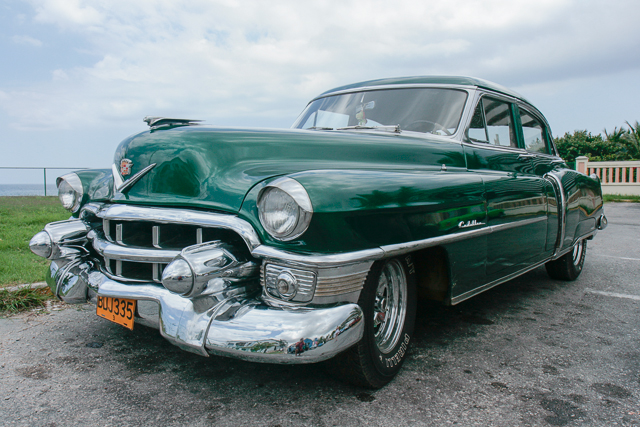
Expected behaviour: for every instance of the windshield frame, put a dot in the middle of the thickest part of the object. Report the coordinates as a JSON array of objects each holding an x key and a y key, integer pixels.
[{"x": 469, "y": 92}]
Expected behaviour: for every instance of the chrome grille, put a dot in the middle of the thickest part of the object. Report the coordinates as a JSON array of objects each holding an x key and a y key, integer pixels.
[{"x": 140, "y": 250}]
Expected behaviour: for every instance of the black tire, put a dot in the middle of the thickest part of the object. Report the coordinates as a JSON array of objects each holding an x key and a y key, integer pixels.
[
  {"x": 569, "y": 266},
  {"x": 388, "y": 301}
]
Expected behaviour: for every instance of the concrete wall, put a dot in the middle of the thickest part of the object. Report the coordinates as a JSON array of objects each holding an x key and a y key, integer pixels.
[{"x": 616, "y": 177}]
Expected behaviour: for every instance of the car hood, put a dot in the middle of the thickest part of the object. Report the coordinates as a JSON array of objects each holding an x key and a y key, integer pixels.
[{"x": 207, "y": 167}]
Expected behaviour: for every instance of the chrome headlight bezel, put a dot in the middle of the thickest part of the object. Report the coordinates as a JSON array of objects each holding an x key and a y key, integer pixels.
[
  {"x": 70, "y": 191},
  {"x": 298, "y": 215}
]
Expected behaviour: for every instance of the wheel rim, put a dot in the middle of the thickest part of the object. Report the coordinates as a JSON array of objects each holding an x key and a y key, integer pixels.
[
  {"x": 578, "y": 249},
  {"x": 390, "y": 306}
]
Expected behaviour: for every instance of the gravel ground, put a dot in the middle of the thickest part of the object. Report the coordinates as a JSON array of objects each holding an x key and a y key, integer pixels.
[{"x": 531, "y": 352}]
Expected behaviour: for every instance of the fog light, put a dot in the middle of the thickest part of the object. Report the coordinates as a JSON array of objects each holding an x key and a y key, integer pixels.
[
  {"x": 178, "y": 277},
  {"x": 41, "y": 244},
  {"x": 286, "y": 285}
]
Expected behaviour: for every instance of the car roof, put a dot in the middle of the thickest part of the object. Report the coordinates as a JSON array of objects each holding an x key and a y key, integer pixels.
[{"x": 436, "y": 80}]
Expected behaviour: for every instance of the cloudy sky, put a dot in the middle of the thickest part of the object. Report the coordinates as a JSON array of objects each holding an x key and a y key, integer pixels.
[{"x": 77, "y": 77}]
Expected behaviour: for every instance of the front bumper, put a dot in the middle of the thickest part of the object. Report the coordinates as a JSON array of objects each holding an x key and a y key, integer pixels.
[{"x": 242, "y": 327}]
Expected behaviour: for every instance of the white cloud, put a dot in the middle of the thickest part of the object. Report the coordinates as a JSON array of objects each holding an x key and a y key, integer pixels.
[
  {"x": 26, "y": 40},
  {"x": 254, "y": 61}
]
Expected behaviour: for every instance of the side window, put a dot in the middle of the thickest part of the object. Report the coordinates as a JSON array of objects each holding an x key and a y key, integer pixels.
[
  {"x": 534, "y": 135},
  {"x": 492, "y": 123},
  {"x": 499, "y": 123},
  {"x": 477, "y": 129}
]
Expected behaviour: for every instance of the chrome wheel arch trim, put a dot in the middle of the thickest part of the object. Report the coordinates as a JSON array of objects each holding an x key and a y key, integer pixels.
[{"x": 556, "y": 184}]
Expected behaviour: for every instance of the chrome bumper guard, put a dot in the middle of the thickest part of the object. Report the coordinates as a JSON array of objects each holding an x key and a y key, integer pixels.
[{"x": 232, "y": 321}]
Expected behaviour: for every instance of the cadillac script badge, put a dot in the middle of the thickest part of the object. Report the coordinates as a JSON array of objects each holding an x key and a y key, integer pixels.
[{"x": 125, "y": 167}]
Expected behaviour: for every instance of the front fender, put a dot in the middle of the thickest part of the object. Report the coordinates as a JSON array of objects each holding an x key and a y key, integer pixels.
[{"x": 360, "y": 209}]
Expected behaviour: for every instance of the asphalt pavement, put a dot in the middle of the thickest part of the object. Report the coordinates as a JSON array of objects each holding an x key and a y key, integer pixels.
[{"x": 530, "y": 352}]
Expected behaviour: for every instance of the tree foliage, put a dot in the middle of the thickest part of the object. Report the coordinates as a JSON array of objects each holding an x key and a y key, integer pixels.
[{"x": 620, "y": 144}]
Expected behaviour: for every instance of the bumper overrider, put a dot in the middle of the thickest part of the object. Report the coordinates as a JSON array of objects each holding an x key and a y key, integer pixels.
[{"x": 211, "y": 297}]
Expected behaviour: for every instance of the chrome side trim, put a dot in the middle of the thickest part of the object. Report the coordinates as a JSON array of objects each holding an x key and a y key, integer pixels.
[
  {"x": 480, "y": 289},
  {"x": 385, "y": 251},
  {"x": 404, "y": 248},
  {"x": 181, "y": 216},
  {"x": 562, "y": 210}
]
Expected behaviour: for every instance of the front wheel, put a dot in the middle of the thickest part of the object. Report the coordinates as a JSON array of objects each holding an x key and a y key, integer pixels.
[
  {"x": 388, "y": 301},
  {"x": 569, "y": 266}
]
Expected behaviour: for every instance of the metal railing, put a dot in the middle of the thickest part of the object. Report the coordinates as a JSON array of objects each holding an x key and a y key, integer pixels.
[{"x": 44, "y": 170}]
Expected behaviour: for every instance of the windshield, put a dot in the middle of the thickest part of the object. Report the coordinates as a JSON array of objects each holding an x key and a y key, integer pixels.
[{"x": 427, "y": 110}]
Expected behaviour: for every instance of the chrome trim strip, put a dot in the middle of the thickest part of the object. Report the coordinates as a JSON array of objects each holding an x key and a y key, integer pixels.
[
  {"x": 512, "y": 276},
  {"x": 480, "y": 289},
  {"x": 562, "y": 208},
  {"x": 488, "y": 146},
  {"x": 126, "y": 186},
  {"x": 127, "y": 253},
  {"x": 182, "y": 216},
  {"x": 404, "y": 248},
  {"x": 466, "y": 88},
  {"x": 117, "y": 178},
  {"x": 334, "y": 260}
]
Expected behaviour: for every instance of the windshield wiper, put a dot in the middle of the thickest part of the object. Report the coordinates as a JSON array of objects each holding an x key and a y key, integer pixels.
[
  {"x": 318, "y": 128},
  {"x": 393, "y": 128}
]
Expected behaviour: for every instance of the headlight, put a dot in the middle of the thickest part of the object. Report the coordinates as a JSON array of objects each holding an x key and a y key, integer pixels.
[
  {"x": 70, "y": 191},
  {"x": 285, "y": 209}
]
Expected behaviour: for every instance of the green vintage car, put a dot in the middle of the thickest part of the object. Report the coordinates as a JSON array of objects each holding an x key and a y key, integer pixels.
[{"x": 315, "y": 242}]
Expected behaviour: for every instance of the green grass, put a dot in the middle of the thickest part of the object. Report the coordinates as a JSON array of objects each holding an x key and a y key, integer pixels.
[
  {"x": 21, "y": 218},
  {"x": 619, "y": 198},
  {"x": 23, "y": 299}
]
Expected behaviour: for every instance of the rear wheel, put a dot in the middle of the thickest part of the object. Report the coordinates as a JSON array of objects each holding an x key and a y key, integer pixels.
[
  {"x": 388, "y": 301},
  {"x": 569, "y": 266}
]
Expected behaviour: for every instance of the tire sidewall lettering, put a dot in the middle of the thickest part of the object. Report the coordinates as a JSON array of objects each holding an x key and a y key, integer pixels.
[{"x": 389, "y": 364}]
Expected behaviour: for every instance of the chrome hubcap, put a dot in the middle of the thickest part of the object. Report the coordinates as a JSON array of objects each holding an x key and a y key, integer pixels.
[
  {"x": 577, "y": 253},
  {"x": 390, "y": 306}
]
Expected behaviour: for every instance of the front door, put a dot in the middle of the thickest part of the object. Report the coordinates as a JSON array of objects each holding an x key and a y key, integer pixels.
[{"x": 516, "y": 196}]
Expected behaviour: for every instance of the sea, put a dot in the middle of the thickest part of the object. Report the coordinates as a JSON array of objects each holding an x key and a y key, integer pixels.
[{"x": 27, "y": 190}]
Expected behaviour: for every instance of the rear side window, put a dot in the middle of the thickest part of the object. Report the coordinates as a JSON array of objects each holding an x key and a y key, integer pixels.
[
  {"x": 534, "y": 133},
  {"x": 492, "y": 123}
]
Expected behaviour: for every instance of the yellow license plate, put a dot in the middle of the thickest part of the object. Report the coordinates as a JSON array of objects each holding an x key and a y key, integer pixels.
[{"x": 118, "y": 310}]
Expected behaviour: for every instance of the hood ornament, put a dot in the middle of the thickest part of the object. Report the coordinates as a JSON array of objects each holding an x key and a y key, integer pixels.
[{"x": 158, "y": 122}]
